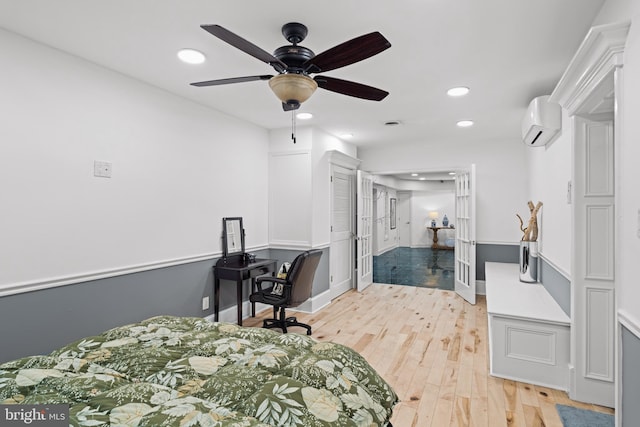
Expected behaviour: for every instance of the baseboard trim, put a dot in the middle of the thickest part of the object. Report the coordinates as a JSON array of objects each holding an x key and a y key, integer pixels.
[
  {"x": 528, "y": 381},
  {"x": 312, "y": 305},
  {"x": 481, "y": 287}
]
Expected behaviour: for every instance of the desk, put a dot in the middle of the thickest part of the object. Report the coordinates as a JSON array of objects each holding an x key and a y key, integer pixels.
[
  {"x": 435, "y": 244},
  {"x": 236, "y": 269}
]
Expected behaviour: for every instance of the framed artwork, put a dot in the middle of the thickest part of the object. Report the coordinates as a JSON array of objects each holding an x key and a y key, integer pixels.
[{"x": 392, "y": 213}]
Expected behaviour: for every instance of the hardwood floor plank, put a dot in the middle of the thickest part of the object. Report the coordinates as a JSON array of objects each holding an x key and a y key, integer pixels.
[
  {"x": 478, "y": 412},
  {"x": 533, "y": 416},
  {"x": 432, "y": 347},
  {"x": 461, "y": 412}
]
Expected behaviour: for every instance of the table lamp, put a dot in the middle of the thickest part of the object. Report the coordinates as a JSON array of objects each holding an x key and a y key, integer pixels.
[{"x": 433, "y": 215}]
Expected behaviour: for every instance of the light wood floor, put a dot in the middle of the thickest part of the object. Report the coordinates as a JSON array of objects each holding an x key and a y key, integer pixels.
[{"x": 431, "y": 346}]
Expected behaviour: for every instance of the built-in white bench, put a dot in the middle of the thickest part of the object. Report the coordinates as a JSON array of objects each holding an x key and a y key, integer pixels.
[{"x": 529, "y": 334}]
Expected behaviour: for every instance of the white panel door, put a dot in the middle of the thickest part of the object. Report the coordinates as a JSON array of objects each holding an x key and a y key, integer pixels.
[
  {"x": 342, "y": 259},
  {"x": 593, "y": 298},
  {"x": 465, "y": 249},
  {"x": 404, "y": 219},
  {"x": 364, "y": 229}
]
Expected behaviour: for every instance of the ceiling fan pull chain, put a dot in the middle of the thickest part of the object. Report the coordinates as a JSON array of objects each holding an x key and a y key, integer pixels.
[{"x": 293, "y": 125}]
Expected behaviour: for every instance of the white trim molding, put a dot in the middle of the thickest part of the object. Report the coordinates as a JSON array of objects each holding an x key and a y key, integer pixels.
[
  {"x": 53, "y": 282},
  {"x": 340, "y": 159},
  {"x": 630, "y": 322},
  {"x": 312, "y": 305},
  {"x": 555, "y": 266},
  {"x": 295, "y": 246},
  {"x": 290, "y": 245},
  {"x": 72, "y": 279},
  {"x": 600, "y": 52}
]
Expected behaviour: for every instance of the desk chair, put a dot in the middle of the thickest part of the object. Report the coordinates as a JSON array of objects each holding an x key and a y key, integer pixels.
[{"x": 288, "y": 292}]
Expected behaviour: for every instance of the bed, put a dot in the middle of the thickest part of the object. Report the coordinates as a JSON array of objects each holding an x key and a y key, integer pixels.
[{"x": 184, "y": 371}]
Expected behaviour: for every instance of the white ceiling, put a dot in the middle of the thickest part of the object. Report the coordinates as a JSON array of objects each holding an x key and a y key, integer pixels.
[{"x": 506, "y": 51}]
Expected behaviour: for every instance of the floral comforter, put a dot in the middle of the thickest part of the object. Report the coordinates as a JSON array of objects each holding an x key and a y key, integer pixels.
[{"x": 177, "y": 371}]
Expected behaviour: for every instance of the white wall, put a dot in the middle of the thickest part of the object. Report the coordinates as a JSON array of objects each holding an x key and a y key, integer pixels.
[
  {"x": 385, "y": 238},
  {"x": 300, "y": 187},
  {"x": 628, "y": 215},
  {"x": 423, "y": 202},
  {"x": 323, "y": 143},
  {"x": 550, "y": 169},
  {"x": 178, "y": 168},
  {"x": 501, "y": 175}
]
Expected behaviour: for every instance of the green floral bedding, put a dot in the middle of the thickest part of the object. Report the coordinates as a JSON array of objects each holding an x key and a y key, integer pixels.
[{"x": 177, "y": 371}]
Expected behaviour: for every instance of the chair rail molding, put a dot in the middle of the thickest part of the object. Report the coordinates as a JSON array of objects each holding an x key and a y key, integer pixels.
[
  {"x": 599, "y": 54},
  {"x": 54, "y": 282}
]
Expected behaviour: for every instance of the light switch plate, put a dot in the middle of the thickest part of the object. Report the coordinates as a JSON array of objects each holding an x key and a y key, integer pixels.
[{"x": 102, "y": 169}]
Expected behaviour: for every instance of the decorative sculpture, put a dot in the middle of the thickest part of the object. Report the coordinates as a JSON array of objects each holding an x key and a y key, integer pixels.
[{"x": 530, "y": 233}]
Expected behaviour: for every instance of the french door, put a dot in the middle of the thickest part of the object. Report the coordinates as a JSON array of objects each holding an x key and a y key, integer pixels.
[
  {"x": 465, "y": 250},
  {"x": 364, "y": 226}
]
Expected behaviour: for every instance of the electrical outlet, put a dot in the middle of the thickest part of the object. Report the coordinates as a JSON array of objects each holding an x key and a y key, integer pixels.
[{"x": 205, "y": 303}]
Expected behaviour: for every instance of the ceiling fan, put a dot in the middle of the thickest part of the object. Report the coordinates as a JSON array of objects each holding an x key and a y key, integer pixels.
[{"x": 294, "y": 63}]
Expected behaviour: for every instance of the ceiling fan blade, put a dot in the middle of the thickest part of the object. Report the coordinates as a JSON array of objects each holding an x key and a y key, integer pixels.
[
  {"x": 346, "y": 87},
  {"x": 231, "y": 80},
  {"x": 347, "y": 53},
  {"x": 245, "y": 46}
]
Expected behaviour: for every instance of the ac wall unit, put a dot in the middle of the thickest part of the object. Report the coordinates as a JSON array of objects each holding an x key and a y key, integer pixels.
[{"x": 542, "y": 122}]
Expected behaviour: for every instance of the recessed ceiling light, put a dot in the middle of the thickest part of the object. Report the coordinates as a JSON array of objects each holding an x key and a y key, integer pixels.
[
  {"x": 191, "y": 56},
  {"x": 422, "y": 178},
  {"x": 458, "y": 91},
  {"x": 346, "y": 135},
  {"x": 452, "y": 173},
  {"x": 414, "y": 174},
  {"x": 465, "y": 123},
  {"x": 304, "y": 116}
]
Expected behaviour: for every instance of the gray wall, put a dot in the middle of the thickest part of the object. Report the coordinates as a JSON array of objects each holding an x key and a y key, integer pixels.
[
  {"x": 630, "y": 378},
  {"x": 494, "y": 253},
  {"x": 321, "y": 279},
  {"x": 40, "y": 321},
  {"x": 557, "y": 285}
]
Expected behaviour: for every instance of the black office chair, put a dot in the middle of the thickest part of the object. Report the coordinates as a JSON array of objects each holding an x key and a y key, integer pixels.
[{"x": 289, "y": 292}]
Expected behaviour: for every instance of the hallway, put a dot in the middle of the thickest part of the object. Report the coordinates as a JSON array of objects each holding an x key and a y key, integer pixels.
[{"x": 421, "y": 267}]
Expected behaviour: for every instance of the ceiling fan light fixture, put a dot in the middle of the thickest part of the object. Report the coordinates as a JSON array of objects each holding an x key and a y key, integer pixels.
[{"x": 293, "y": 88}]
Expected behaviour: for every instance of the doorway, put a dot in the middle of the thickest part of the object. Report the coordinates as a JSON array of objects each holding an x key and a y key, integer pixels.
[
  {"x": 593, "y": 258},
  {"x": 342, "y": 231},
  {"x": 413, "y": 258},
  {"x": 404, "y": 219}
]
